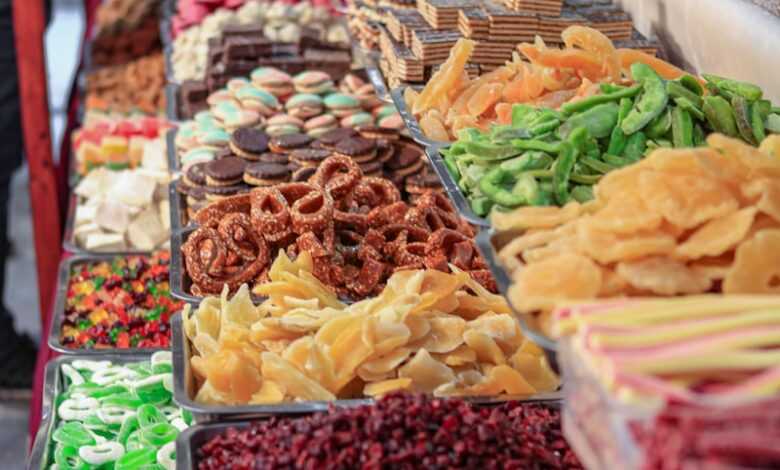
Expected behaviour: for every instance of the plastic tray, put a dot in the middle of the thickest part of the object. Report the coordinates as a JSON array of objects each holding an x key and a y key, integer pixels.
[
  {"x": 410, "y": 121},
  {"x": 184, "y": 382},
  {"x": 59, "y": 312},
  {"x": 69, "y": 241},
  {"x": 53, "y": 386},
  {"x": 451, "y": 187},
  {"x": 486, "y": 240}
]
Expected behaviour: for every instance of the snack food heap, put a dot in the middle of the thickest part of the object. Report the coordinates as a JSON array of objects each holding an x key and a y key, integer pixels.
[
  {"x": 120, "y": 303},
  {"x": 355, "y": 228},
  {"x": 690, "y": 379},
  {"x": 130, "y": 87},
  {"x": 116, "y": 415},
  {"x": 681, "y": 221},
  {"x": 427, "y": 331},
  {"x": 400, "y": 431}
]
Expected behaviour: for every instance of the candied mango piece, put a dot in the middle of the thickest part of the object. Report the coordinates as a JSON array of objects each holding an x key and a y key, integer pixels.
[
  {"x": 756, "y": 267},
  {"x": 378, "y": 389},
  {"x": 295, "y": 382},
  {"x": 718, "y": 235},
  {"x": 426, "y": 372}
]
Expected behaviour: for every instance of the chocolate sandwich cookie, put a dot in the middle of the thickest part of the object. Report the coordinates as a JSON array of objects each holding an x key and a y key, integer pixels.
[
  {"x": 309, "y": 157},
  {"x": 249, "y": 143},
  {"x": 196, "y": 197},
  {"x": 330, "y": 139},
  {"x": 376, "y": 132},
  {"x": 303, "y": 174},
  {"x": 266, "y": 174},
  {"x": 216, "y": 193},
  {"x": 286, "y": 143},
  {"x": 224, "y": 152},
  {"x": 385, "y": 151},
  {"x": 406, "y": 155},
  {"x": 225, "y": 172},
  {"x": 278, "y": 158},
  {"x": 371, "y": 168},
  {"x": 195, "y": 175},
  {"x": 359, "y": 149},
  {"x": 422, "y": 182}
]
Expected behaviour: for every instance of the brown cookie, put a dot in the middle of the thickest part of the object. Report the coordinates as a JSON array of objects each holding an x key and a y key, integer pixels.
[
  {"x": 286, "y": 143},
  {"x": 360, "y": 149},
  {"x": 195, "y": 175},
  {"x": 376, "y": 132},
  {"x": 309, "y": 157},
  {"x": 329, "y": 139},
  {"x": 249, "y": 143},
  {"x": 266, "y": 174},
  {"x": 270, "y": 157},
  {"x": 216, "y": 193},
  {"x": 225, "y": 172}
]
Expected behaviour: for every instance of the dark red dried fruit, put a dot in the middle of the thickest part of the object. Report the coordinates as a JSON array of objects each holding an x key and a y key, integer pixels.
[{"x": 399, "y": 432}]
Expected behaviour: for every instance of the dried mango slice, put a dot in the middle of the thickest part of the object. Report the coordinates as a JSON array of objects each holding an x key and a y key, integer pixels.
[
  {"x": 586, "y": 63},
  {"x": 536, "y": 370},
  {"x": 663, "y": 276},
  {"x": 385, "y": 336},
  {"x": 661, "y": 67},
  {"x": 612, "y": 283},
  {"x": 768, "y": 192},
  {"x": 446, "y": 77},
  {"x": 297, "y": 353},
  {"x": 296, "y": 383},
  {"x": 503, "y": 328},
  {"x": 594, "y": 41},
  {"x": 378, "y": 389},
  {"x": 510, "y": 381},
  {"x": 714, "y": 268},
  {"x": 445, "y": 335},
  {"x": 484, "y": 98},
  {"x": 205, "y": 345},
  {"x": 433, "y": 127},
  {"x": 232, "y": 374},
  {"x": 382, "y": 366},
  {"x": 760, "y": 164},
  {"x": 607, "y": 247},
  {"x": 535, "y": 217},
  {"x": 626, "y": 214},
  {"x": 485, "y": 346},
  {"x": 418, "y": 326},
  {"x": 320, "y": 367},
  {"x": 567, "y": 276},
  {"x": 756, "y": 267},
  {"x": 206, "y": 320},
  {"x": 426, "y": 372},
  {"x": 348, "y": 352},
  {"x": 462, "y": 355},
  {"x": 718, "y": 235},
  {"x": 270, "y": 393}
]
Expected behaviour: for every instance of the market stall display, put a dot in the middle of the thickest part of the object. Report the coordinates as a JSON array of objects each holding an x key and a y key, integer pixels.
[
  {"x": 402, "y": 431},
  {"x": 427, "y": 331},
  {"x": 116, "y": 303},
  {"x": 552, "y": 236},
  {"x": 682, "y": 380},
  {"x": 115, "y": 414}
]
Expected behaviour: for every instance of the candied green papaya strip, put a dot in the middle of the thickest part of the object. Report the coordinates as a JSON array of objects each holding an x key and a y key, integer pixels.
[{"x": 650, "y": 103}]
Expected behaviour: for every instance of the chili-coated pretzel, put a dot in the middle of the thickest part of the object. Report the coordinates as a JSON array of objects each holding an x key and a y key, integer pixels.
[
  {"x": 373, "y": 192},
  {"x": 214, "y": 212},
  {"x": 270, "y": 213},
  {"x": 312, "y": 212},
  {"x": 235, "y": 232},
  {"x": 391, "y": 214},
  {"x": 337, "y": 175}
]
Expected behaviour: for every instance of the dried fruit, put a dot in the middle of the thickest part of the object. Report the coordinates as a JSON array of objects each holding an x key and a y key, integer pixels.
[{"x": 756, "y": 268}]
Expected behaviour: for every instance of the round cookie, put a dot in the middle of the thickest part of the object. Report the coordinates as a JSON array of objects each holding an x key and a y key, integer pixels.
[
  {"x": 288, "y": 142},
  {"x": 197, "y": 155},
  {"x": 283, "y": 124},
  {"x": 319, "y": 125},
  {"x": 342, "y": 105},
  {"x": 273, "y": 81},
  {"x": 357, "y": 120},
  {"x": 270, "y": 157},
  {"x": 392, "y": 121},
  {"x": 376, "y": 132},
  {"x": 304, "y": 105},
  {"x": 303, "y": 174},
  {"x": 266, "y": 174},
  {"x": 195, "y": 175},
  {"x": 225, "y": 172},
  {"x": 313, "y": 82},
  {"x": 329, "y": 139},
  {"x": 217, "y": 193},
  {"x": 249, "y": 143},
  {"x": 425, "y": 180},
  {"x": 255, "y": 99},
  {"x": 309, "y": 157},
  {"x": 371, "y": 168},
  {"x": 360, "y": 149}
]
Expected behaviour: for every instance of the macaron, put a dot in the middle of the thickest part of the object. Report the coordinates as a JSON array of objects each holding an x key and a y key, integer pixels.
[
  {"x": 392, "y": 121},
  {"x": 357, "y": 120},
  {"x": 319, "y": 125},
  {"x": 249, "y": 143},
  {"x": 197, "y": 155},
  {"x": 383, "y": 111},
  {"x": 350, "y": 83},
  {"x": 255, "y": 99},
  {"x": 266, "y": 174},
  {"x": 195, "y": 175},
  {"x": 342, "y": 105},
  {"x": 222, "y": 109},
  {"x": 369, "y": 101},
  {"x": 213, "y": 138},
  {"x": 309, "y": 157},
  {"x": 288, "y": 142},
  {"x": 359, "y": 149},
  {"x": 225, "y": 172},
  {"x": 235, "y": 84},
  {"x": 313, "y": 82},
  {"x": 219, "y": 96},
  {"x": 329, "y": 139},
  {"x": 273, "y": 81},
  {"x": 217, "y": 193},
  {"x": 283, "y": 124},
  {"x": 304, "y": 105},
  {"x": 243, "y": 118},
  {"x": 186, "y": 136}
]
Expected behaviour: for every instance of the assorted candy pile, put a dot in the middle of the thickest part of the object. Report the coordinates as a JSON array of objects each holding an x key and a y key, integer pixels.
[
  {"x": 356, "y": 228},
  {"x": 427, "y": 331},
  {"x": 117, "y": 416},
  {"x": 122, "y": 303},
  {"x": 134, "y": 86},
  {"x": 120, "y": 144}
]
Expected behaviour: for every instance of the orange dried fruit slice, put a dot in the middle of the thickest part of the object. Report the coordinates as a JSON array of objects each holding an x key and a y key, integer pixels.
[
  {"x": 626, "y": 214},
  {"x": 297, "y": 384},
  {"x": 383, "y": 364},
  {"x": 377, "y": 389},
  {"x": 608, "y": 247},
  {"x": 426, "y": 372},
  {"x": 510, "y": 381},
  {"x": 270, "y": 393},
  {"x": 461, "y": 356},
  {"x": 661, "y": 67},
  {"x": 714, "y": 268},
  {"x": 504, "y": 112},
  {"x": 536, "y": 370},
  {"x": 756, "y": 268},
  {"x": 594, "y": 41},
  {"x": 446, "y": 77},
  {"x": 613, "y": 284},
  {"x": 535, "y": 217},
  {"x": 567, "y": 276},
  {"x": 485, "y": 346},
  {"x": 768, "y": 193},
  {"x": 445, "y": 335},
  {"x": 297, "y": 353},
  {"x": 663, "y": 276},
  {"x": 503, "y": 328},
  {"x": 718, "y": 235},
  {"x": 484, "y": 98},
  {"x": 433, "y": 127}
]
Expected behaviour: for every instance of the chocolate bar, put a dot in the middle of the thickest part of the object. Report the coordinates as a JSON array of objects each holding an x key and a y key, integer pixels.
[{"x": 245, "y": 47}]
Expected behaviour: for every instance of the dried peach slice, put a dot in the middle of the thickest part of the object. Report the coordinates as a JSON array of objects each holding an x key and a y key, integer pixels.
[
  {"x": 756, "y": 268},
  {"x": 625, "y": 214},
  {"x": 297, "y": 384},
  {"x": 535, "y": 217},
  {"x": 485, "y": 346},
  {"x": 596, "y": 42},
  {"x": 377, "y": 389},
  {"x": 718, "y": 235},
  {"x": 607, "y": 247},
  {"x": 768, "y": 192},
  {"x": 426, "y": 372},
  {"x": 567, "y": 276},
  {"x": 663, "y": 276},
  {"x": 484, "y": 98}
]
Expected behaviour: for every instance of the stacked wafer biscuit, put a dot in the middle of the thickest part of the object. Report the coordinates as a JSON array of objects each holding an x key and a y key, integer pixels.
[
  {"x": 541, "y": 7},
  {"x": 402, "y": 24},
  {"x": 432, "y": 47},
  {"x": 474, "y": 23},
  {"x": 510, "y": 26},
  {"x": 401, "y": 63},
  {"x": 443, "y": 14}
]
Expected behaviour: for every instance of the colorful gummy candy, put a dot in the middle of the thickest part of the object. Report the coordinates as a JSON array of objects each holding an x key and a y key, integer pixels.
[
  {"x": 117, "y": 416},
  {"x": 121, "y": 303}
]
